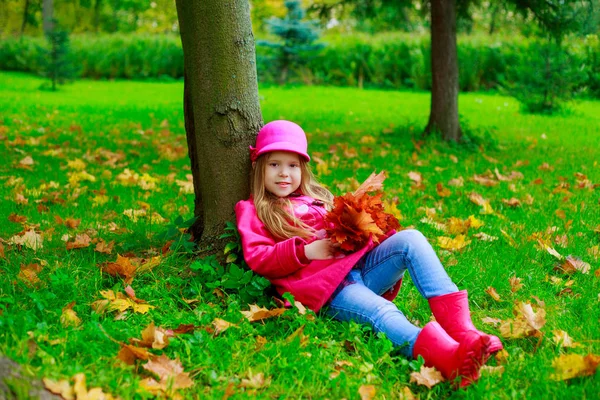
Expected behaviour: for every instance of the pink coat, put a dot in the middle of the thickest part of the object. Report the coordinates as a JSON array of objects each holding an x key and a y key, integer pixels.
[{"x": 312, "y": 283}]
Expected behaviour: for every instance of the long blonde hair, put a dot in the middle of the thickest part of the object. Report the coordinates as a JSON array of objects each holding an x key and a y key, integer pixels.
[{"x": 274, "y": 211}]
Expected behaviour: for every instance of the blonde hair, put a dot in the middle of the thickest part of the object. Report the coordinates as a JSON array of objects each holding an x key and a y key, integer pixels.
[{"x": 274, "y": 212}]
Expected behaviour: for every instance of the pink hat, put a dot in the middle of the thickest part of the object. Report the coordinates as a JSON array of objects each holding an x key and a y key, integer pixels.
[{"x": 280, "y": 136}]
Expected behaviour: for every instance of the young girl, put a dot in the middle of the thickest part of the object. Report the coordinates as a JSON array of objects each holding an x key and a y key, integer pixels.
[{"x": 283, "y": 238}]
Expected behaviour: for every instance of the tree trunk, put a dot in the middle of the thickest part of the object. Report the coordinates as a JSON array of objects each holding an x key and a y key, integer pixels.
[
  {"x": 47, "y": 16},
  {"x": 494, "y": 16},
  {"x": 25, "y": 17},
  {"x": 97, "y": 8},
  {"x": 221, "y": 107},
  {"x": 443, "y": 116}
]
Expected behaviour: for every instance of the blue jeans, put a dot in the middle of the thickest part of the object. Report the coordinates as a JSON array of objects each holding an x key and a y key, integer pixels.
[{"x": 377, "y": 272}]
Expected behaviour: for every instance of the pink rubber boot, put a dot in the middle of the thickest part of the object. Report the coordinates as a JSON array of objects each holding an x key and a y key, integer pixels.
[
  {"x": 451, "y": 311},
  {"x": 451, "y": 358}
]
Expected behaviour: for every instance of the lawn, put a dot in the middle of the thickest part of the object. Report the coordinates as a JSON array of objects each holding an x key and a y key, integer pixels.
[{"x": 98, "y": 175}]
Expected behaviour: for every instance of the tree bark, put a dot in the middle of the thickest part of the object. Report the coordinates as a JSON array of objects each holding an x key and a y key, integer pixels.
[
  {"x": 25, "y": 17},
  {"x": 48, "y": 16},
  {"x": 443, "y": 116},
  {"x": 221, "y": 107},
  {"x": 97, "y": 7}
]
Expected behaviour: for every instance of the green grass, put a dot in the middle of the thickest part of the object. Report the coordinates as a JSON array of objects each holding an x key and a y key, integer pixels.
[{"x": 113, "y": 126}]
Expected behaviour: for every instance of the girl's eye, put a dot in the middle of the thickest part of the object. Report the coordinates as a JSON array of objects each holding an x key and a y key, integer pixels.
[
  {"x": 294, "y": 165},
  {"x": 273, "y": 164}
]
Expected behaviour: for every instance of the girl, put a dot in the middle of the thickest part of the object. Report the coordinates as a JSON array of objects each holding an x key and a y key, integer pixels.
[{"x": 283, "y": 239}]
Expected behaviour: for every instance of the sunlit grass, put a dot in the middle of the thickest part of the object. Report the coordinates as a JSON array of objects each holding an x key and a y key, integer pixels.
[{"x": 114, "y": 126}]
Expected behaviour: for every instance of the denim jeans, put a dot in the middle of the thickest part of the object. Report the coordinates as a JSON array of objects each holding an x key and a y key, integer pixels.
[{"x": 377, "y": 272}]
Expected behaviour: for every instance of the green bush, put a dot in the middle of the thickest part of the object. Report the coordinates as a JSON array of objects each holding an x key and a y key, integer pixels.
[
  {"x": 388, "y": 61},
  {"x": 546, "y": 76}
]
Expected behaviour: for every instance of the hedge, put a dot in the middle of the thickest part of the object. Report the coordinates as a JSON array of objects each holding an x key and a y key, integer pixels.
[{"x": 392, "y": 61}]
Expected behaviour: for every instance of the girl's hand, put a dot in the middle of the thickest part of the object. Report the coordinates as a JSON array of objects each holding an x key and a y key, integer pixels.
[{"x": 319, "y": 250}]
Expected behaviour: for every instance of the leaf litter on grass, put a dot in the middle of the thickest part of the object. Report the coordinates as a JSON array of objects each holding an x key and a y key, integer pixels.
[{"x": 89, "y": 187}]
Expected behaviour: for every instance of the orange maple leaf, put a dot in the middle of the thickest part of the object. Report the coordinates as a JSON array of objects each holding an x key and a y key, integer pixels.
[{"x": 358, "y": 217}]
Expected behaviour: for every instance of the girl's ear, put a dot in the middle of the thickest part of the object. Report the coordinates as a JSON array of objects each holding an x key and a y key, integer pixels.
[{"x": 253, "y": 164}]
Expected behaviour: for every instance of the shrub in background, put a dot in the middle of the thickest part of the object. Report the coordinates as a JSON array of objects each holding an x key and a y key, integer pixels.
[
  {"x": 298, "y": 38},
  {"x": 387, "y": 61},
  {"x": 545, "y": 78}
]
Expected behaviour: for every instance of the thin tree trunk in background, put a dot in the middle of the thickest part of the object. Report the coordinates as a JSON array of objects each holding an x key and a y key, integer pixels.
[
  {"x": 25, "y": 17},
  {"x": 495, "y": 11},
  {"x": 221, "y": 107},
  {"x": 443, "y": 116},
  {"x": 97, "y": 6},
  {"x": 47, "y": 15}
]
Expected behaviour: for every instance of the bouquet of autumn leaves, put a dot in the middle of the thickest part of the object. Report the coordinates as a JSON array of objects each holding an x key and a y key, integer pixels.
[{"x": 358, "y": 216}]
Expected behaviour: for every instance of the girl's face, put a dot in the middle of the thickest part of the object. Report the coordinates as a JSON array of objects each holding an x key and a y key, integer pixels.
[{"x": 282, "y": 173}]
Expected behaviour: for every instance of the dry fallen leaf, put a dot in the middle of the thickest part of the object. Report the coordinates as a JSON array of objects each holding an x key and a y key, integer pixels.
[
  {"x": 27, "y": 161},
  {"x": 447, "y": 243},
  {"x": 69, "y": 316},
  {"x": 493, "y": 293},
  {"x": 457, "y": 182},
  {"x": 103, "y": 247},
  {"x": 220, "y": 325},
  {"x": 373, "y": 183},
  {"x": 485, "y": 237},
  {"x": 491, "y": 321},
  {"x": 563, "y": 339},
  {"x": 153, "y": 337},
  {"x": 572, "y": 264},
  {"x": 29, "y": 239},
  {"x": 17, "y": 219},
  {"x": 405, "y": 394},
  {"x": 62, "y": 388},
  {"x": 426, "y": 376},
  {"x": 78, "y": 391},
  {"x": 512, "y": 202},
  {"x": 484, "y": 180},
  {"x": 129, "y": 354},
  {"x": 515, "y": 284},
  {"x": 568, "y": 366},
  {"x": 118, "y": 302},
  {"x": 28, "y": 274},
  {"x": 415, "y": 177},
  {"x": 490, "y": 370},
  {"x": 255, "y": 381},
  {"x": 367, "y": 392},
  {"x": 550, "y": 250},
  {"x": 442, "y": 191},
  {"x": 257, "y": 313},
  {"x": 81, "y": 241},
  {"x": 527, "y": 322},
  {"x": 170, "y": 374},
  {"x": 480, "y": 201},
  {"x": 121, "y": 267},
  {"x": 72, "y": 223}
]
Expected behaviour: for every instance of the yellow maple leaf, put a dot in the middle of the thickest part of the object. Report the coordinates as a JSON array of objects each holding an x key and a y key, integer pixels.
[
  {"x": 447, "y": 243},
  {"x": 527, "y": 322},
  {"x": 568, "y": 366}
]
